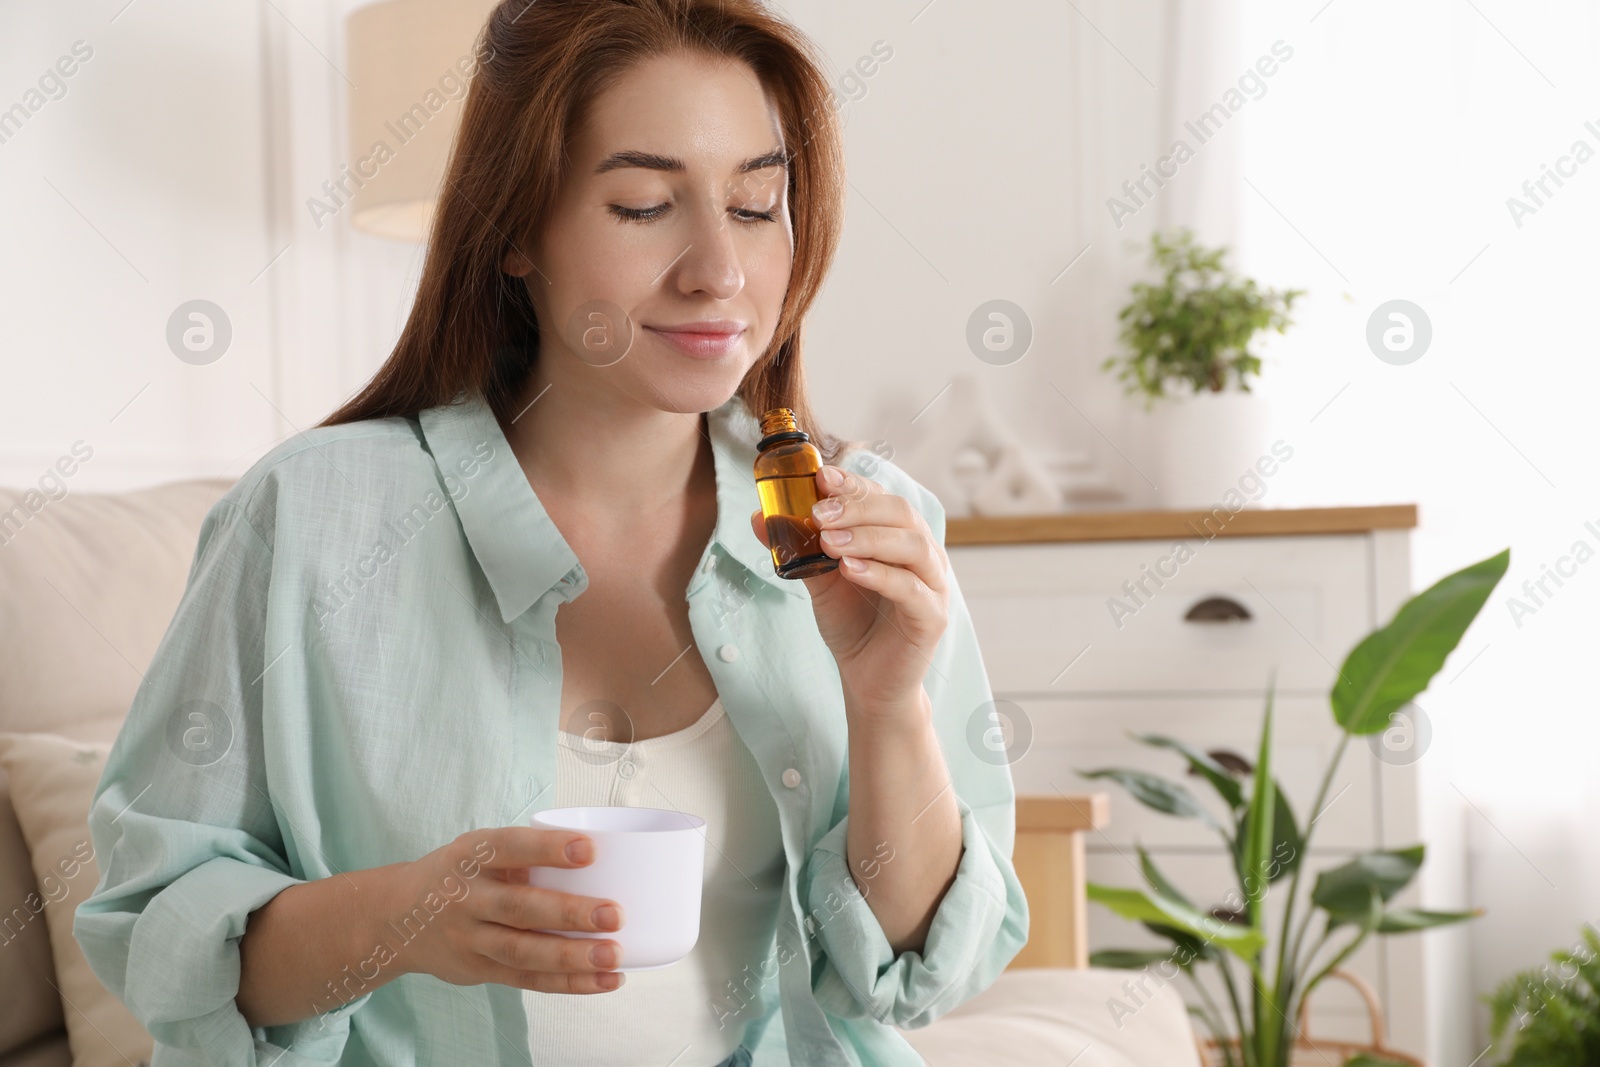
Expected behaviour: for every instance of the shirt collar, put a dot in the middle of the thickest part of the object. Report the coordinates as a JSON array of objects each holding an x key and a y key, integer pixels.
[{"x": 521, "y": 551}]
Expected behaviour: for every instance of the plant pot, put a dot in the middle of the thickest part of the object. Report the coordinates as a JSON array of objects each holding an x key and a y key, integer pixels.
[
  {"x": 1207, "y": 444},
  {"x": 1308, "y": 1051}
]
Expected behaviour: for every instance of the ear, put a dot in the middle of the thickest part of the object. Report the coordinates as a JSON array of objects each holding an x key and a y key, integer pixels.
[{"x": 516, "y": 264}]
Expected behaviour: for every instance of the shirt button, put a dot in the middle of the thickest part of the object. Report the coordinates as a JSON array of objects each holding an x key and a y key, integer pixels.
[
  {"x": 791, "y": 778},
  {"x": 627, "y": 769},
  {"x": 728, "y": 653}
]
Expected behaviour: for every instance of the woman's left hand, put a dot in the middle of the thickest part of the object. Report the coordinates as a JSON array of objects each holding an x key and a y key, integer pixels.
[{"x": 884, "y": 608}]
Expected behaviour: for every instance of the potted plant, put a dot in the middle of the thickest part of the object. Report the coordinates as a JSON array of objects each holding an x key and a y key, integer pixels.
[
  {"x": 1278, "y": 970},
  {"x": 1187, "y": 337},
  {"x": 1556, "y": 1011}
]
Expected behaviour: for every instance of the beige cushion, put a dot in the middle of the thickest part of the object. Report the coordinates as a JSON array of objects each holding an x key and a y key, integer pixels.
[
  {"x": 1049, "y": 1016},
  {"x": 27, "y": 974},
  {"x": 53, "y": 781},
  {"x": 91, "y": 581},
  {"x": 32, "y": 1006}
]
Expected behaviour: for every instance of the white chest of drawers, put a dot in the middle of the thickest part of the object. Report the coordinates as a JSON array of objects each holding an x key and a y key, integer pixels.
[{"x": 1091, "y": 624}]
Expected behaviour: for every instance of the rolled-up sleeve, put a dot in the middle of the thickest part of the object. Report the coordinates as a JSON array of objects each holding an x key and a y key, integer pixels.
[
  {"x": 981, "y": 922},
  {"x": 978, "y": 927},
  {"x": 184, "y": 828}
]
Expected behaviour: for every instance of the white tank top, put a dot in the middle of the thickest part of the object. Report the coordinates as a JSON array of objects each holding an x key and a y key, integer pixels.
[{"x": 686, "y": 1014}]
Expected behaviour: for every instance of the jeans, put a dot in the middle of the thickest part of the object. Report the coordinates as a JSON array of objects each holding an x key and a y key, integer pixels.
[{"x": 740, "y": 1058}]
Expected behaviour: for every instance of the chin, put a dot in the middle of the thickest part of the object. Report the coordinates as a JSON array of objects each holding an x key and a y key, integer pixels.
[
  {"x": 689, "y": 396},
  {"x": 685, "y": 386}
]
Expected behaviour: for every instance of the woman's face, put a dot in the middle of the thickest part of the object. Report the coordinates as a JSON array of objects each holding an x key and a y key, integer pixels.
[{"x": 662, "y": 268}]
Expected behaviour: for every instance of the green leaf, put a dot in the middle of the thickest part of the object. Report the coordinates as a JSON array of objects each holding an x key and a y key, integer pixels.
[
  {"x": 1191, "y": 331},
  {"x": 1550, "y": 1016},
  {"x": 1196, "y": 947},
  {"x": 1156, "y": 792},
  {"x": 1406, "y": 920},
  {"x": 1243, "y": 941},
  {"x": 1366, "y": 922},
  {"x": 1396, "y": 662},
  {"x": 1123, "y": 959},
  {"x": 1345, "y": 892},
  {"x": 1256, "y": 850},
  {"x": 1287, "y": 844},
  {"x": 1373, "y": 1059},
  {"x": 1203, "y": 765},
  {"x": 1158, "y": 881}
]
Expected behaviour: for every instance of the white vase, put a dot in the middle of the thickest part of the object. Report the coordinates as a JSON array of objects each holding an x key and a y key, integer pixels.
[
  {"x": 1018, "y": 484},
  {"x": 1207, "y": 444}
]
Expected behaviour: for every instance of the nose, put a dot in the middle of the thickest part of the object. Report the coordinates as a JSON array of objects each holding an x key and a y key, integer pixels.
[{"x": 711, "y": 264}]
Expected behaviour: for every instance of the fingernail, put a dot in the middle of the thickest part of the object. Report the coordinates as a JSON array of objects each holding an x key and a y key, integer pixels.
[
  {"x": 850, "y": 563},
  {"x": 608, "y": 980},
  {"x": 607, "y": 917},
  {"x": 833, "y": 475},
  {"x": 837, "y": 537},
  {"x": 604, "y": 955},
  {"x": 827, "y": 509},
  {"x": 580, "y": 850}
]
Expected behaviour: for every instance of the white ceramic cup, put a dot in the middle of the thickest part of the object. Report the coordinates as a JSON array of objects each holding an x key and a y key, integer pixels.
[{"x": 649, "y": 860}]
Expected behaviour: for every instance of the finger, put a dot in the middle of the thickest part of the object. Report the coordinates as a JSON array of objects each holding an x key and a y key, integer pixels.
[
  {"x": 920, "y": 605},
  {"x": 869, "y": 509},
  {"x": 502, "y": 847},
  {"x": 759, "y": 525},
  {"x": 555, "y": 981},
  {"x": 836, "y": 481},
  {"x": 890, "y": 544},
  {"x": 579, "y": 984},
  {"x": 536, "y": 908},
  {"x": 528, "y": 950}
]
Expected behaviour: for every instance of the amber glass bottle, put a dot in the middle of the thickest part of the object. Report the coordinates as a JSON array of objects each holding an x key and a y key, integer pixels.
[{"x": 786, "y": 480}]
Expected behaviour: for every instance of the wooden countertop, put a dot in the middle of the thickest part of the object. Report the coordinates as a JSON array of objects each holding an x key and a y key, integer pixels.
[{"x": 1162, "y": 525}]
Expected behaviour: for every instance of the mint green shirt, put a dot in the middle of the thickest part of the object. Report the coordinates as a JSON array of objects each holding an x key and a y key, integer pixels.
[{"x": 364, "y": 666}]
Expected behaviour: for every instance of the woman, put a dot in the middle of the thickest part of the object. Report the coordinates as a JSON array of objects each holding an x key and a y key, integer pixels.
[{"x": 313, "y": 826}]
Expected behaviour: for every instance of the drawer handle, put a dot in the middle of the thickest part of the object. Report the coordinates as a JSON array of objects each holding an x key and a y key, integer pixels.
[{"x": 1218, "y": 609}]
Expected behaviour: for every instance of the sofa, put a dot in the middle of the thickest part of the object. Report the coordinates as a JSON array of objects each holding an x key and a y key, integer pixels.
[{"x": 88, "y": 583}]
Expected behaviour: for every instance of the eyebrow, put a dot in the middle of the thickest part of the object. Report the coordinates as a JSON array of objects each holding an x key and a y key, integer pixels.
[{"x": 650, "y": 161}]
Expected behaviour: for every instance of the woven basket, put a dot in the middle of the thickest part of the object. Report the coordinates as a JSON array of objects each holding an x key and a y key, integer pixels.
[{"x": 1308, "y": 1051}]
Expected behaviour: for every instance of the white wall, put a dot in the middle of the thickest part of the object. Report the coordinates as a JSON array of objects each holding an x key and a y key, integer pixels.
[
  {"x": 176, "y": 166},
  {"x": 138, "y": 189}
]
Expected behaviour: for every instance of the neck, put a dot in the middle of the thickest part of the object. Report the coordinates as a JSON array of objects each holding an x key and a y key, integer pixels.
[{"x": 605, "y": 451}]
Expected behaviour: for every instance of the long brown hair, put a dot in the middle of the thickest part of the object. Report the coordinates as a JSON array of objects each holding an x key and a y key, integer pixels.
[{"x": 540, "y": 63}]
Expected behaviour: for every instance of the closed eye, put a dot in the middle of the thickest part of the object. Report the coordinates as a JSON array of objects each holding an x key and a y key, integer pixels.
[{"x": 744, "y": 215}]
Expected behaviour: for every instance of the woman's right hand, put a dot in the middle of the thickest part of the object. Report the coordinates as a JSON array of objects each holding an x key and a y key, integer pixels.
[{"x": 487, "y": 930}]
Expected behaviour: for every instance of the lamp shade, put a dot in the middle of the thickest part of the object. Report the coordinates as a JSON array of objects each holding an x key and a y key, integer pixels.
[{"x": 410, "y": 62}]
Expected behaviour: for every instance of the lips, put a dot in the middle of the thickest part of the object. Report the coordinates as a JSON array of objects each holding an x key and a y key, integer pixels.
[{"x": 702, "y": 340}]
